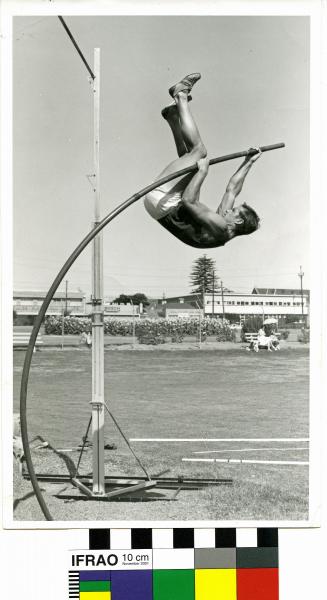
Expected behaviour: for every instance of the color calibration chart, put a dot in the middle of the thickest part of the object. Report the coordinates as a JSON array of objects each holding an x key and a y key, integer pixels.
[{"x": 176, "y": 564}]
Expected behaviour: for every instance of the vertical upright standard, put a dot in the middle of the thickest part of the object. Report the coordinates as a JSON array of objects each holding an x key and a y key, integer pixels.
[{"x": 97, "y": 402}]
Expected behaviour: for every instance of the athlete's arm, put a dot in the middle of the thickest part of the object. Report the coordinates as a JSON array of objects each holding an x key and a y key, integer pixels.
[
  {"x": 191, "y": 193},
  {"x": 202, "y": 215},
  {"x": 235, "y": 183},
  {"x": 190, "y": 200}
]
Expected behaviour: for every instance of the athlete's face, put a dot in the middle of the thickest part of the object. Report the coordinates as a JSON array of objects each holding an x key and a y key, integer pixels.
[{"x": 234, "y": 215}]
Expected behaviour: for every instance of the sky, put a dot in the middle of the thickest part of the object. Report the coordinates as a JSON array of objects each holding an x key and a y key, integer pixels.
[{"x": 254, "y": 91}]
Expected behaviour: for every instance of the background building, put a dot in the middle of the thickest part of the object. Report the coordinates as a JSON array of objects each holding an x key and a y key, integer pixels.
[
  {"x": 181, "y": 310},
  {"x": 121, "y": 311},
  {"x": 27, "y": 304},
  {"x": 286, "y": 305}
]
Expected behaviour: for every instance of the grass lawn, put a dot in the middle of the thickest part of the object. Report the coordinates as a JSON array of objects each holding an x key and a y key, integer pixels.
[{"x": 226, "y": 393}]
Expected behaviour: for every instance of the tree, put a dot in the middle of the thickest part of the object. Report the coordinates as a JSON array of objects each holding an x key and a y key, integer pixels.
[
  {"x": 203, "y": 276},
  {"x": 140, "y": 298},
  {"x": 135, "y": 299},
  {"x": 122, "y": 299}
]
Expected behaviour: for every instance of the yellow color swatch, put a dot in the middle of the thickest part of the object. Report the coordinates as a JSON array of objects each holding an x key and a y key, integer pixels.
[
  {"x": 95, "y": 595},
  {"x": 215, "y": 584}
]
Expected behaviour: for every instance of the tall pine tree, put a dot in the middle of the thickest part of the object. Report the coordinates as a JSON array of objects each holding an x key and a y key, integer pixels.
[{"x": 203, "y": 276}]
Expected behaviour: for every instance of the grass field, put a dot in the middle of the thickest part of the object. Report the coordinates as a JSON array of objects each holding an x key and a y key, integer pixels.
[{"x": 225, "y": 393}]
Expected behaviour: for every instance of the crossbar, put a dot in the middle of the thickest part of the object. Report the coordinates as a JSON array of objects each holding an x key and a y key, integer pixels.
[
  {"x": 76, "y": 46},
  {"x": 57, "y": 281}
]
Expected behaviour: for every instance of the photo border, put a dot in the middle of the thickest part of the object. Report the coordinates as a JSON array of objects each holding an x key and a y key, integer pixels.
[{"x": 312, "y": 9}]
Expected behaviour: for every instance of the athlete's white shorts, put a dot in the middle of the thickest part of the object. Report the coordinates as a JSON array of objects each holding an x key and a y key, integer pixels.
[{"x": 159, "y": 203}]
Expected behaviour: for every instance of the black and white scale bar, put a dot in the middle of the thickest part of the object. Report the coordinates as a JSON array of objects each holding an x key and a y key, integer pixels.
[
  {"x": 73, "y": 584},
  {"x": 179, "y": 537}
]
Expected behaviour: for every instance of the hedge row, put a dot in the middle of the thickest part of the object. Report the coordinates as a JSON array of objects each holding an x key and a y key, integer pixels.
[{"x": 143, "y": 327}]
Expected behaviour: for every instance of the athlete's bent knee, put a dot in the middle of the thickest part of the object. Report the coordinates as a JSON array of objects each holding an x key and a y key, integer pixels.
[{"x": 199, "y": 151}]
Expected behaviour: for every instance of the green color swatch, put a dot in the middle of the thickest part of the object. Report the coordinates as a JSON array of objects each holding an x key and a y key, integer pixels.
[
  {"x": 94, "y": 586},
  {"x": 173, "y": 584}
]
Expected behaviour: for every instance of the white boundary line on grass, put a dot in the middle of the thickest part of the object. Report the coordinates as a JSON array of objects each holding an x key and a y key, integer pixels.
[
  {"x": 249, "y": 462},
  {"x": 219, "y": 440},
  {"x": 286, "y": 449}
]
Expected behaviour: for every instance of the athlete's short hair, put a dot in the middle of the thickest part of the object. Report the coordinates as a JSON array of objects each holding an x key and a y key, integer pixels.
[{"x": 251, "y": 221}]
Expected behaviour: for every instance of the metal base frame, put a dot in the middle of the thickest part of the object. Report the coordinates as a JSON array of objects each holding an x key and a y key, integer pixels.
[{"x": 124, "y": 488}]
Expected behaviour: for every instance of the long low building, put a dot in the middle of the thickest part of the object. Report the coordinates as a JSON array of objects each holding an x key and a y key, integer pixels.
[
  {"x": 27, "y": 304},
  {"x": 285, "y": 304},
  {"x": 244, "y": 305}
]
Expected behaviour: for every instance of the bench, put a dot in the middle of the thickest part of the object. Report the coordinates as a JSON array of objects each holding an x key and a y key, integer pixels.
[
  {"x": 252, "y": 338},
  {"x": 21, "y": 339}
]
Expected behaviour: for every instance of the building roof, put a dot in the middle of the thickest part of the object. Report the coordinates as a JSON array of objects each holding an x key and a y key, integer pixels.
[
  {"x": 194, "y": 298},
  {"x": 179, "y": 305},
  {"x": 41, "y": 295},
  {"x": 280, "y": 291}
]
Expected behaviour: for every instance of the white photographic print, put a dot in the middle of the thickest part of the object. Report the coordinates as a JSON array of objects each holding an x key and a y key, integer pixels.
[{"x": 164, "y": 303}]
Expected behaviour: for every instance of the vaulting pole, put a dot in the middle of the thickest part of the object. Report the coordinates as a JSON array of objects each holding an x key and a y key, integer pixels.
[{"x": 97, "y": 402}]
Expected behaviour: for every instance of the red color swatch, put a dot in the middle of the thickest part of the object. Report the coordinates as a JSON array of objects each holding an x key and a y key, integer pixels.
[{"x": 257, "y": 584}]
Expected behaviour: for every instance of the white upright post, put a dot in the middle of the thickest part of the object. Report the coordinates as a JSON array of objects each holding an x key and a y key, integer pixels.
[{"x": 97, "y": 402}]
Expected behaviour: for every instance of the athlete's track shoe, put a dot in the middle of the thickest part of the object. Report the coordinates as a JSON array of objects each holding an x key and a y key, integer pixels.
[{"x": 185, "y": 85}]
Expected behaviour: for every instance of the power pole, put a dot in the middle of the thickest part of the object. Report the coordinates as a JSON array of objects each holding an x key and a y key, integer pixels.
[
  {"x": 222, "y": 299},
  {"x": 66, "y": 297},
  {"x": 300, "y": 274},
  {"x": 213, "y": 294}
]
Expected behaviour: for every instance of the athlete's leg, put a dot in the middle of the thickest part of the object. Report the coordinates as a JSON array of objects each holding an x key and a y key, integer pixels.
[
  {"x": 170, "y": 114},
  {"x": 192, "y": 140},
  {"x": 188, "y": 127}
]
